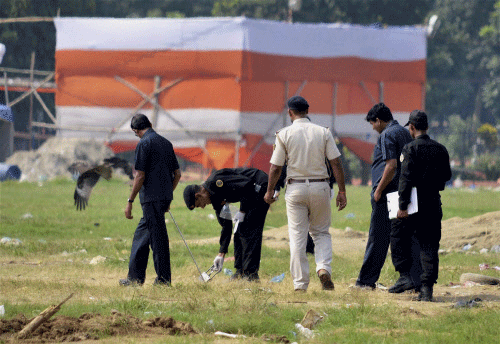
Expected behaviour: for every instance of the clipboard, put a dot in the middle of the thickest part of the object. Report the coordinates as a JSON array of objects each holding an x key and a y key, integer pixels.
[{"x": 393, "y": 203}]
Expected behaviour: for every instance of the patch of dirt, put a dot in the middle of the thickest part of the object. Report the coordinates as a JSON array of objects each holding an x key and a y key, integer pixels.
[
  {"x": 481, "y": 232},
  {"x": 93, "y": 326},
  {"x": 343, "y": 241}
]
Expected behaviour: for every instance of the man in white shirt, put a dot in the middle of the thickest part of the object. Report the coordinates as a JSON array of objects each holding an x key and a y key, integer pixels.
[{"x": 304, "y": 147}]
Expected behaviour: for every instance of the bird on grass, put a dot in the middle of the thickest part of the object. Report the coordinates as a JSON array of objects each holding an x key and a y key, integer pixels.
[{"x": 89, "y": 175}]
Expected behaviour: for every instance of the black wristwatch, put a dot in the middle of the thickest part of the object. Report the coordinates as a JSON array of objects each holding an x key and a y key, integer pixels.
[{"x": 130, "y": 200}]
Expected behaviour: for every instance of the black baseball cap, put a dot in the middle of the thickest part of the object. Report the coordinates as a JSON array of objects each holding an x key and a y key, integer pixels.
[
  {"x": 298, "y": 103},
  {"x": 189, "y": 195},
  {"x": 419, "y": 119}
]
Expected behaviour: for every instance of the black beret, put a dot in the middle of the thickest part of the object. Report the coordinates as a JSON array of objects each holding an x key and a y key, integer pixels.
[
  {"x": 419, "y": 119},
  {"x": 189, "y": 196},
  {"x": 298, "y": 103}
]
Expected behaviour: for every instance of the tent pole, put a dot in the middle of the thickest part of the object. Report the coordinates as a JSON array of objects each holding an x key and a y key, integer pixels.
[
  {"x": 423, "y": 96},
  {"x": 154, "y": 116},
  {"x": 6, "y": 90},
  {"x": 367, "y": 92},
  {"x": 237, "y": 152},
  {"x": 334, "y": 105},
  {"x": 30, "y": 126},
  {"x": 381, "y": 91},
  {"x": 287, "y": 87}
]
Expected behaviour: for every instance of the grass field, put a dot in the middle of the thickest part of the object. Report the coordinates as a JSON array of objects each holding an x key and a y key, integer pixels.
[{"x": 58, "y": 244}]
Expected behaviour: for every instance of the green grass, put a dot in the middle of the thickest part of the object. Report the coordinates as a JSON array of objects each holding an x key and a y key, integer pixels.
[{"x": 58, "y": 243}]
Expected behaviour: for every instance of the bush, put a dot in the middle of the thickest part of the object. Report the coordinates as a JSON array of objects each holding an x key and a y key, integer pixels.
[{"x": 489, "y": 164}]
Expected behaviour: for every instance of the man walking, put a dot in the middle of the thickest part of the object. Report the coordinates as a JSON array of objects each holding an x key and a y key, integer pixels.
[
  {"x": 425, "y": 166},
  {"x": 385, "y": 176},
  {"x": 231, "y": 185},
  {"x": 304, "y": 147},
  {"x": 157, "y": 177}
]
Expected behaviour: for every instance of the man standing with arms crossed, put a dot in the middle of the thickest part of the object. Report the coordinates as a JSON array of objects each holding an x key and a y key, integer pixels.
[
  {"x": 385, "y": 176},
  {"x": 304, "y": 147},
  {"x": 157, "y": 177},
  {"x": 425, "y": 166}
]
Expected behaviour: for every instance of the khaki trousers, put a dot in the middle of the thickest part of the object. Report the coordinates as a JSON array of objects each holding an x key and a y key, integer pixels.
[{"x": 308, "y": 209}]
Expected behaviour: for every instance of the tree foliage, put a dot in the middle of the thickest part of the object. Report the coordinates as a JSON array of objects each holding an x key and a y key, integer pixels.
[{"x": 456, "y": 65}]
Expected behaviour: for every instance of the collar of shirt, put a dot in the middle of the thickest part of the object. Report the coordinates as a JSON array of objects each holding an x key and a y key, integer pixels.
[
  {"x": 392, "y": 123},
  {"x": 301, "y": 120},
  {"x": 423, "y": 137},
  {"x": 147, "y": 133}
]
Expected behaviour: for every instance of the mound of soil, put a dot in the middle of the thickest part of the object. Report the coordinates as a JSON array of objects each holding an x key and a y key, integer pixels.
[
  {"x": 93, "y": 326},
  {"x": 482, "y": 231},
  {"x": 54, "y": 157}
]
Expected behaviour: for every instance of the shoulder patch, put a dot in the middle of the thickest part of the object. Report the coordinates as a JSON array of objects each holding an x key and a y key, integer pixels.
[
  {"x": 219, "y": 183},
  {"x": 402, "y": 157}
]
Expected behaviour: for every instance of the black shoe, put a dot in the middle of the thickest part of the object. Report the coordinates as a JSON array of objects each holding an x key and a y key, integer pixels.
[
  {"x": 253, "y": 277},
  {"x": 403, "y": 284},
  {"x": 364, "y": 286},
  {"x": 129, "y": 283},
  {"x": 237, "y": 275},
  {"x": 164, "y": 283},
  {"x": 425, "y": 293}
]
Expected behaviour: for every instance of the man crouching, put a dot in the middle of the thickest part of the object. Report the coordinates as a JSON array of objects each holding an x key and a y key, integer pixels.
[{"x": 231, "y": 185}]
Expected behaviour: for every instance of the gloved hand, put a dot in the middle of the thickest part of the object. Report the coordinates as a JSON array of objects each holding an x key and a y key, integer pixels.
[
  {"x": 239, "y": 216},
  {"x": 218, "y": 262}
]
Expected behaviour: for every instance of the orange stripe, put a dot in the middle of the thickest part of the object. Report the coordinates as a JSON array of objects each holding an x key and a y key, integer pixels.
[
  {"x": 108, "y": 92},
  {"x": 242, "y": 64},
  {"x": 229, "y": 95}
]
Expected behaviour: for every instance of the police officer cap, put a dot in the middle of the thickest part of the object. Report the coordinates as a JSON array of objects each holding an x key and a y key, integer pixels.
[
  {"x": 298, "y": 103},
  {"x": 189, "y": 196},
  {"x": 419, "y": 119}
]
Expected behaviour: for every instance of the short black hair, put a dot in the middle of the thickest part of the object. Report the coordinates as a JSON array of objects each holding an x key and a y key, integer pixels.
[
  {"x": 189, "y": 195},
  {"x": 380, "y": 111},
  {"x": 140, "y": 122},
  {"x": 298, "y": 104}
]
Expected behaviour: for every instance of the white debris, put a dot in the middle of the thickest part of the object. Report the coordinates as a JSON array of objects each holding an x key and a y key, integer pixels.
[
  {"x": 229, "y": 335},
  {"x": 304, "y": 331},
  {"x": 97, "y": 260}
]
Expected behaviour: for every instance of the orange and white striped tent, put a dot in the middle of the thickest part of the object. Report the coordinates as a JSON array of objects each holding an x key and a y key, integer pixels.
[{"x": 217, "y": 87}]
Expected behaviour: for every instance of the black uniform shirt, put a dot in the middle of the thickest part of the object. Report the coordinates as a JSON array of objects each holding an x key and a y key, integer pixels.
[
  {"x": 232, "y": 185},
  {"x": 154, "y": 155},
  {"x": 426, "y": 166},
  {"x": 389, "y": 145}
]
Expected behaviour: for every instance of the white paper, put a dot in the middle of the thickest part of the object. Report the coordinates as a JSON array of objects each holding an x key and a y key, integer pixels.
[{"x": 393, "y": 203}]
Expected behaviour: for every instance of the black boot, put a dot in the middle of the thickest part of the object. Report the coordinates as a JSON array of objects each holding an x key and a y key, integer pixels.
[
  {"x": 237, "y": 275},
  {"x": 403, "y": 284},
  {"x": 425, "y": 293}
]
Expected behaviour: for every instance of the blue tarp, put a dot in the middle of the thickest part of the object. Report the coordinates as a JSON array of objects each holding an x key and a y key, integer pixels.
[
  {"x": 6, "y": 113},
  {"x": 9, "y": 172}
]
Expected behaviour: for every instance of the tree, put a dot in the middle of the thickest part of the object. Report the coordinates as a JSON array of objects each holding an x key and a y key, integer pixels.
[
  {"x": 490, "y": 62},
  {"x": 456, "y": 76},
  {"x": 460, "y": 138}
]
